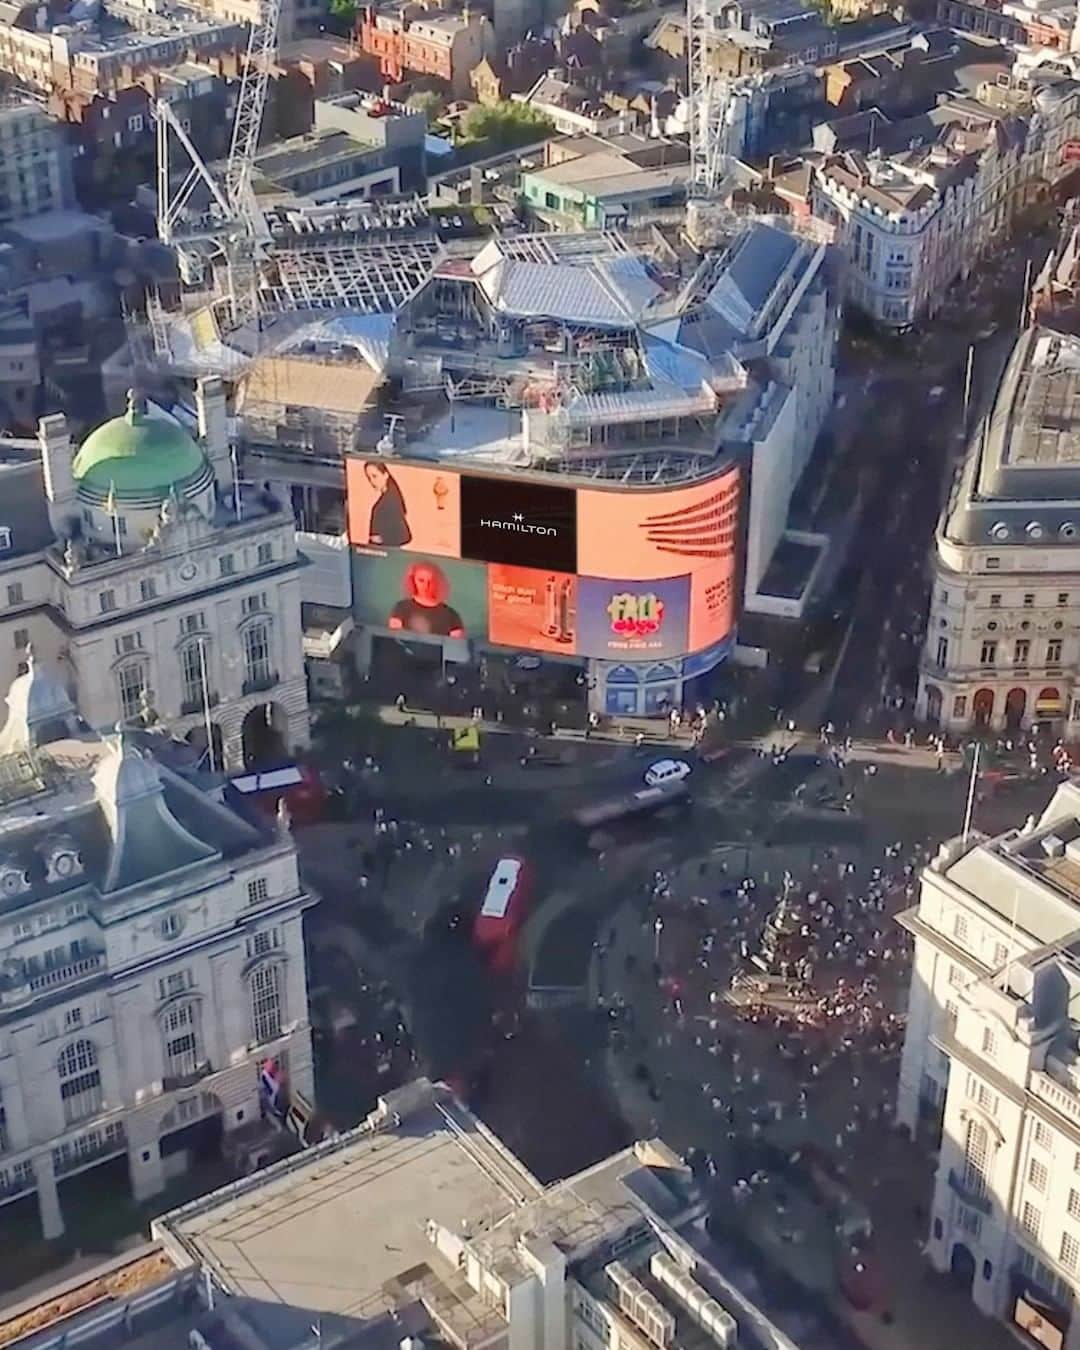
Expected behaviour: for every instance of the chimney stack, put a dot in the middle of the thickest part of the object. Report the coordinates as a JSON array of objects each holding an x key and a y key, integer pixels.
[
  {"x": 56, "y": 457},
  {"x": 214, "y": 432}
]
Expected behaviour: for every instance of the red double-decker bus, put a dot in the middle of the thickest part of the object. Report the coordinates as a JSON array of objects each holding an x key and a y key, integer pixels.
[{"x": 503, "y": 911}]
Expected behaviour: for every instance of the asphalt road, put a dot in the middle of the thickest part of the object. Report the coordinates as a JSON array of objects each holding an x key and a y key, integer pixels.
[{"x": 913, "y": 395}]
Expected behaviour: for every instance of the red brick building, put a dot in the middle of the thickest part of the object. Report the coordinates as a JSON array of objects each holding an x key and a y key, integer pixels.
[{"x": 444, "y": 46}]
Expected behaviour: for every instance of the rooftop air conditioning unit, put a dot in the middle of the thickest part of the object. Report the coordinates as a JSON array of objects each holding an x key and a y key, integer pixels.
[{"x": 1053, "y": 846}]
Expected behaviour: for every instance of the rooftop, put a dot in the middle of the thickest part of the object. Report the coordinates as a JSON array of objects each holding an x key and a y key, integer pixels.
[
  {"x": 303, "y": 154},
  {"x": 302, "y": 1232},
  {"x": 23, "y": 510},
  {"x": 80, "y": 810},
  {"x": 1020, "y": 480},
  {"x": 1029, "y": 877}
]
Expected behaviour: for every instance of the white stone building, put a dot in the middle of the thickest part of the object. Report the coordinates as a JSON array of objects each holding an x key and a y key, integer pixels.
[
  {"x": 1002, "y": 642},
  {"x": 156, "y": 585},
  {"x": 991, "y": 1057},
  {"x": 35, "y": 164},
  {"x": 153, "y": 955},
  {"x": 916, "y": 219}
]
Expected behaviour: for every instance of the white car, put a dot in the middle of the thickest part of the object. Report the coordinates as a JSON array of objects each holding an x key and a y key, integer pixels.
[{"x": 666, "y": 771}]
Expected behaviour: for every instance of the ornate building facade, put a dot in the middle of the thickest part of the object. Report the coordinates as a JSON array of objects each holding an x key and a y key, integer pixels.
[
  {"x": 163, "y": 590},
  {"x": 153, "y": 957}
]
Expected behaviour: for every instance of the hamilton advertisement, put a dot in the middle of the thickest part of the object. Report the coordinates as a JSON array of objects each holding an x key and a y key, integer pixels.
[{"x": 612, "y": 573}]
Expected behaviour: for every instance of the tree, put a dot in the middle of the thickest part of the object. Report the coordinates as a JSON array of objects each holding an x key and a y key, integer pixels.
[
  {"x": 504, "y": 124},
  {"x": 427, "y": 101},
  {"x": 345, "y": 10}
]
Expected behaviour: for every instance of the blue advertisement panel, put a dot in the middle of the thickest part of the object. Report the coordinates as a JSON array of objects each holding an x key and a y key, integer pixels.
[
  {"x": 632, "y": 619},
  {"x": 702, "y": 662},
  {"x": 428, "y": 597}
]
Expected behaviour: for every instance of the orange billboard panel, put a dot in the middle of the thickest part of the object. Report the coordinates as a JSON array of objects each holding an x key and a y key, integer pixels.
[
  {"x": 643, "y": 535},
  {"x": 394, "y": 505},
  {"x": 533, "y": 608}
]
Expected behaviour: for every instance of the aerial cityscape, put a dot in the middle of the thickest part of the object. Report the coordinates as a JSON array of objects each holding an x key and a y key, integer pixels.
[{"x": 539, "y": 674}]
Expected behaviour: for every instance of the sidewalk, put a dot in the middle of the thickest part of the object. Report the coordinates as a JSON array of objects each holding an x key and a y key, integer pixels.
[
  {"x": 620, "y": 731},
  {"x": 624, "y": 730}
]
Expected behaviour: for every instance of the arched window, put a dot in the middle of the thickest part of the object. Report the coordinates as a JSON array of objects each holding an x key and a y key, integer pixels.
[
  {"x": 257, "y": 670},
  {"x": 180, "y": 1035},
  {"x": 976, "y": 1157},
  {"x": 266, "y": 1002},
  {"x": 80, "y": 1081},
  {"x": 194, "y": 661},
  {"x": 132, "y": 682}
]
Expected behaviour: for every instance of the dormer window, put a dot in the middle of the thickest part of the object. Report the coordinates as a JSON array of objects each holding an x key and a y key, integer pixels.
[
  {"x": 63, "y": 860},
  {"x": 5, "y": 539},
  {"x": 14, "y": 880}
]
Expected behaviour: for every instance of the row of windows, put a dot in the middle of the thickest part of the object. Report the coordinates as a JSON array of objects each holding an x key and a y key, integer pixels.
[
  {"x": 133, "y": 678},
  {"x": 48, "y": 919},
  {"x": 79, "y": 1069},
  {"x": 988, "y": 652},
  {"x": 107, "y": 603}
]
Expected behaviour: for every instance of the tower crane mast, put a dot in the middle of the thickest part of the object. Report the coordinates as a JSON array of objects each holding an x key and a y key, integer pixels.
[{"x": 234, "y": 224}]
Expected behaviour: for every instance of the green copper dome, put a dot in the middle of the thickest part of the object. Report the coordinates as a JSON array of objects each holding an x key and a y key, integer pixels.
[{"x": 138, "y": 454}]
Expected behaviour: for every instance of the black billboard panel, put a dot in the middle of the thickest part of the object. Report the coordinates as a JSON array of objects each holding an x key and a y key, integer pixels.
[{"x": 516, "y": 521}]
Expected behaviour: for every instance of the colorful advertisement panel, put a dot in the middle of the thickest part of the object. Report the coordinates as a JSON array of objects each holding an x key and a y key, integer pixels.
[
  {"x": 712, "y": 604},
  {"x": 531, "y": 608},
  {"x": 394, "y": 505},
  {"x": 633, "y": 619},
  {"x": 537, "y": 557},
  {"x": 658, "y": 534},
  {"x": 427, "y": 597}
]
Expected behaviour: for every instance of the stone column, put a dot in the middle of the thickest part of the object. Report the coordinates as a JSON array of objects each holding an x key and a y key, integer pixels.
[
  {"x": 52, "y": 1219},
  {"x": 144, "y": 1161}
]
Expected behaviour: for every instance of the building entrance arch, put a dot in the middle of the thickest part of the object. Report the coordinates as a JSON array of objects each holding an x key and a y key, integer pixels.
[
  {"x": 264, "y": 735},
  {"x": 982, "y": 707},
  {"x": 962, "y": 1266},
  {"x": 933, "y": 705},
  {"x": 1015, "y": 707}
]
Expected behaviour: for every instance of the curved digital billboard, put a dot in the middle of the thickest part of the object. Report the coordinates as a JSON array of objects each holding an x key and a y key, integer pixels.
[{"x": 615, "y": 573}]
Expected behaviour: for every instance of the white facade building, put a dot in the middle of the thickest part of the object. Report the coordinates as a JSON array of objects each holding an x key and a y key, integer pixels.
[
  {"x": 153, "y": 955},
  {"x": 915, "y": 221},
  {"x": 1002, "y": 642},
  {"x": 991, "y": 1055},
  {"x": 159, "y": 588}
]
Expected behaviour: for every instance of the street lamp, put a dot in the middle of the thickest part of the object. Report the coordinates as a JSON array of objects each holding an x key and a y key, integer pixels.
[{"x": 658, "y": 928}]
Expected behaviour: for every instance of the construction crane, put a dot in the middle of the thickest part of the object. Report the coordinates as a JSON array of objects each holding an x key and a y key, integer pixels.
[
  {"x": 232, "y": 228},
  {"x": 707, "y": 101}
]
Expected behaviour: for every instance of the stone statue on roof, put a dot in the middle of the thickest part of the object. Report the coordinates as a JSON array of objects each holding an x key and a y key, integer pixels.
[{"x": 147, "y": 715}]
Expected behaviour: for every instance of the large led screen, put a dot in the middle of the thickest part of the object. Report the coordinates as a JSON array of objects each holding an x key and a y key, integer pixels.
[
  {"x": 425, "y": 597},
  {"x": 614, "y": 573},
  {"x": 644, "y": 535},
  {"x": 394, "y": 505},
  {"x": 519, "y": 521}
]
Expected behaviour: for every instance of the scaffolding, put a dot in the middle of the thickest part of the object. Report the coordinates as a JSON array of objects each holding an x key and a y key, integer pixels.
[{"x": 365, "y": 279}]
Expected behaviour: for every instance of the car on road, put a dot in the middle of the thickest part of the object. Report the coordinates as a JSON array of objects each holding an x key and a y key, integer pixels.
[{"x": 666, "y": 771}]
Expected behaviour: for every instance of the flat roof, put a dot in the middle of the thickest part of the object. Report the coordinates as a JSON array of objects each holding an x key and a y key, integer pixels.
[{"x": 301, "y": 1233}]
